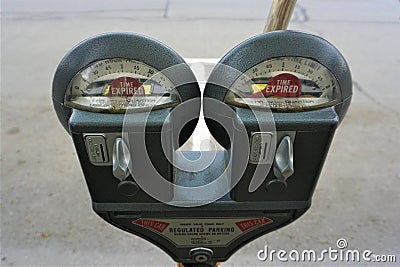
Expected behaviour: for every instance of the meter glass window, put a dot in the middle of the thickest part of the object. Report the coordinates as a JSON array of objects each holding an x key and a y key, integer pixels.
[
  {"x": 286, "y": 84},
  {"x": 117, "y": 85}
]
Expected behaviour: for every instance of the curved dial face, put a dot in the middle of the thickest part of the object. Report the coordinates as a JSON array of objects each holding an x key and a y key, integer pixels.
[
  {"x": 117, "y": 85},
  {"x": 286, "y": 84}
]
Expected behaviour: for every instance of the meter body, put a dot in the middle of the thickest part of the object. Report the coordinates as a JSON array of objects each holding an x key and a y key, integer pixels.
[
  {"x": 101, "y": 82},
  {"x": 305, "y": 83}
]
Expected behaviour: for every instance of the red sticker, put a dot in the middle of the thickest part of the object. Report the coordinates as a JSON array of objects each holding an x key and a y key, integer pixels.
[
  {"x": 152, "y": 224},
  {"x": 284, "y": 85},
  {"x": 249, "y": 224},
  {"x": 126, "y": 86}
]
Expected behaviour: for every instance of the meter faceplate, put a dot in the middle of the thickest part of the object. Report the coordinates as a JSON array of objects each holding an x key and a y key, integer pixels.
[
  {"x": 116, "y": 85},
  {"x": 286, "y": 84}
]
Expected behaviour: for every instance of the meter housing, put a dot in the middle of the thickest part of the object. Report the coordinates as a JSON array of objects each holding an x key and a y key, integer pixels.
[
  {"x": 306, "y": 83},
  {"x": 100, "y": 80}
]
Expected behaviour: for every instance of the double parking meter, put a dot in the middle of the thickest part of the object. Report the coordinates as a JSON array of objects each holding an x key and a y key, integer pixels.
[{"x": 273, "y": 103}]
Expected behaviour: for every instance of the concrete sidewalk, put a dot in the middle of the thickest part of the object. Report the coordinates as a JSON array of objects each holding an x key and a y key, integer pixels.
[{"x": 46, "y": 217}]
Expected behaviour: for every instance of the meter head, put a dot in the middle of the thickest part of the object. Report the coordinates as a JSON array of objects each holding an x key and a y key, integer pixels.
[
  {"x": 108, "y": 89},
  {"x": 300, "y": 83},
  {"x": 119, "y": 73},
  {"x": 286, "y": 71}
]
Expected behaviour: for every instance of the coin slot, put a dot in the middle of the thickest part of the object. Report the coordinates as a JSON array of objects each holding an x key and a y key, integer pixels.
[
  {"x": 260, "y": 148},
  {"x": 102, "y": 153},
  {"x": 96, "y": 148},
  {"x": 265, "y": 150}
]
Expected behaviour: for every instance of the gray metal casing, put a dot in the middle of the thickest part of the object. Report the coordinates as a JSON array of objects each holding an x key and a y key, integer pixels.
[
  {"x": 314, "y": 129},
  {"x": 102, "y": 185}
]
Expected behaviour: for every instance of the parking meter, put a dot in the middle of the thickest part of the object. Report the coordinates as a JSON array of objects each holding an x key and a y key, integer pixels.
[
  {"x": 305, "y": 83},
  {"x": 97, "y": 84},
  {"x": 273, "y": 102}
]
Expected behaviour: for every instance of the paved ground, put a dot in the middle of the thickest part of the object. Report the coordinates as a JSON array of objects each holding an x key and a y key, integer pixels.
[{"x": 46, "y": 217}]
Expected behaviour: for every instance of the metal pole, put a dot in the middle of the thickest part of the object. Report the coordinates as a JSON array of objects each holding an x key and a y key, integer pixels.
[{"x": 279, "y": 15}]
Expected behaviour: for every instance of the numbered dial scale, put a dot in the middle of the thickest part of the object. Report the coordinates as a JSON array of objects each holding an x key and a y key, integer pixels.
[
  {"x": 286, "y": 84},
  {"x": 116, "y": 85}
]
